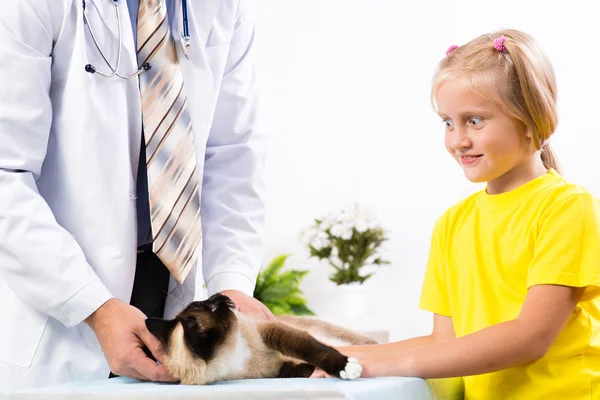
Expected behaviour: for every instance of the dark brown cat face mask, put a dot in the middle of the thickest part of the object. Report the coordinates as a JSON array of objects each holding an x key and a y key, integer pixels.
[{"x": 206, "y": 324}]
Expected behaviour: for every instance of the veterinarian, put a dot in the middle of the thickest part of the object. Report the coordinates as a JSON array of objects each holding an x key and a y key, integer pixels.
[{"x": 131, "y": 170}]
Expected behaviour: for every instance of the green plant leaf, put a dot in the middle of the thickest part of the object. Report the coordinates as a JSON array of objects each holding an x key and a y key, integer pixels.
[
  {"x": 301, "y": 309},
  {"x": 275, "y": 292},
  {"x": 273, "y": 268},
  {"x": 278, "y": 290},
  {"x": 279, "y": 310}
]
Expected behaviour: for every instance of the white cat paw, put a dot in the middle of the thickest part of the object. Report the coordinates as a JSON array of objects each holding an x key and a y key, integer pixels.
[{"x": 353, "y": 369}]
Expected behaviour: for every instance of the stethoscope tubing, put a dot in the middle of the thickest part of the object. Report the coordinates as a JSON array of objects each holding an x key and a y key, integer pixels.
[{"x": 144, "y": 67}]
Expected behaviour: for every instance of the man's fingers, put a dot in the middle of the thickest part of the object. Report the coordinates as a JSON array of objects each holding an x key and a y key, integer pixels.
[
  {"x": 256, "y": 308},
  {"x": 162, "y": 374},
  {"x": 150, "y": 370},
  {"x": 249, "y": 310},
  {"x": 146, "y": 366},
  {"x": 131, "y": 373},
  {"x": 267, "y": 312}
]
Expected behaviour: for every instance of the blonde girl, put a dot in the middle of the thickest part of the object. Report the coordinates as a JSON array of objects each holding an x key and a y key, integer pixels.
[{"x": 513, "y": 274}]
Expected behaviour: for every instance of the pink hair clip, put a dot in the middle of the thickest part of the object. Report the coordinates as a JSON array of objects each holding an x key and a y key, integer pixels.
[
  {"x": 499, "y": 44},
  {"x": 451, "y": 49}
]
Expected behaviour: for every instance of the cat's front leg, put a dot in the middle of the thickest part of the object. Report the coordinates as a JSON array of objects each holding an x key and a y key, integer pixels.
[
  {"x": 299, "y": 344},
  {"x": 294, "y": 370}
]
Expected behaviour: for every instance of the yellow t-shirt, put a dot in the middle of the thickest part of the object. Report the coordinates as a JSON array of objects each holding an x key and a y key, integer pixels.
[{"x": 486, "y": 252}]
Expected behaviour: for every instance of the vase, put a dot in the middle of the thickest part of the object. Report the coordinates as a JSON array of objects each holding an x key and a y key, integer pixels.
[{"x": 353, "y": 299}]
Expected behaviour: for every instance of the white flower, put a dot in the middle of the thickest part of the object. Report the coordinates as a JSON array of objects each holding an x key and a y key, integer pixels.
[
  {"x": 325, "y": 224},
  {"x": 361, "y": 217},
  {"x": 349, "y": 213},
  {"x": 320, "y": 241},
  {"x": 342, "y": 230},
  {"x": 329, "y": 220},
  {"x": 309, "y": 235},
  {"x": 337, "y": 217},
  {"x": 361, "y": 226},
  {"x": 337, "y": 230},
  {"x": 347, "y": 233},
  {"x": 351, "y": 217}
]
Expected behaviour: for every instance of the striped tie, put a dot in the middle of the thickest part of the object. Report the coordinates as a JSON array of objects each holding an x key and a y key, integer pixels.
[{"x": 170, "y": 156}]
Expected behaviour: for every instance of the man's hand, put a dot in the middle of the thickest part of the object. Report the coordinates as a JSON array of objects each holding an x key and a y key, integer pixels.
[
  {"x": 248, "y": 305},
  {"x": 121, "y": 331}
]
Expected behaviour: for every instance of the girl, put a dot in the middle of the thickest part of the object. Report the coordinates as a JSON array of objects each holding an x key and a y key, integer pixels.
[{"x": 513, "y": 276}]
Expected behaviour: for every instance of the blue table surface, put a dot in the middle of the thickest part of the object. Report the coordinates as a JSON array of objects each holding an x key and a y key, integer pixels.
[{"x": 395, "y": 388}]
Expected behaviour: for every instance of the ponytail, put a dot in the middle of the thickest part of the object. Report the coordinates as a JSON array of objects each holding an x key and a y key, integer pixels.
[
  {"x": 549, "y": 159},
  {"x": 533, "y": 93}
]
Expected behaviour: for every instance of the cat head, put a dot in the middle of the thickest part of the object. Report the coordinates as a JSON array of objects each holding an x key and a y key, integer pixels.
[{"x": 197, "y": 331}]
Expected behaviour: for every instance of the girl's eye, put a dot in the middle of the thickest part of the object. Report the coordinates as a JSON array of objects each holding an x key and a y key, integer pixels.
[
  {"x": 475, "y": 120},
  {"x": 448, "y": 123}
]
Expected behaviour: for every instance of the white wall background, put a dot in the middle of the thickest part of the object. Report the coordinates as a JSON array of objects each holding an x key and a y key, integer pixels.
[{"x": 345, "y": 87}]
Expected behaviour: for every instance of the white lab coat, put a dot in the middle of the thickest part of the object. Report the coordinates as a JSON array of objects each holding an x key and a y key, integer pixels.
[{"x": 69, "y": 148}]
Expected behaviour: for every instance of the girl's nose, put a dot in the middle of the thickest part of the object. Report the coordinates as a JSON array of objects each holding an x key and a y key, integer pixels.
[{"x": 460, "y": 139}]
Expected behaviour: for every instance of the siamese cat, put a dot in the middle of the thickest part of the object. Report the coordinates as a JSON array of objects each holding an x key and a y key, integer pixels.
[{"x": 211, "y": 341}]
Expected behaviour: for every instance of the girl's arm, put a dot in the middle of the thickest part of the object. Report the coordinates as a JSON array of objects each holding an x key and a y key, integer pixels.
[
  {"x": 443, "y": 330},
  {"x": 522, "y": 340}
]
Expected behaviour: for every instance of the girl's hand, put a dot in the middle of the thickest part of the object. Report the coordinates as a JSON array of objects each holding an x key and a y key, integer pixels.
[
  {"x": 319, "y": 373},
  {"x": 363, "y": 359}
]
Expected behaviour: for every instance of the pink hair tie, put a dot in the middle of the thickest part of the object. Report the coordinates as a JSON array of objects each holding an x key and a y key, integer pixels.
[
  {"x": 451, "y": 49},
  {"x": 499, "y": 44}
]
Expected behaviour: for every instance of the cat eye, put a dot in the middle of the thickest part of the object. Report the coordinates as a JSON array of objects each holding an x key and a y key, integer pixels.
[{"x": 190, "y": 323}]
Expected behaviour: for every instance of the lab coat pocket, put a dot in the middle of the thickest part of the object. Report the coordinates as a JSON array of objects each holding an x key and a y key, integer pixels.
[{"x": 21, "y": 329}]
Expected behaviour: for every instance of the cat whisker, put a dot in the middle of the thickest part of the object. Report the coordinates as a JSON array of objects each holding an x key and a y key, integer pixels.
[{"x": 182, "y": 302}]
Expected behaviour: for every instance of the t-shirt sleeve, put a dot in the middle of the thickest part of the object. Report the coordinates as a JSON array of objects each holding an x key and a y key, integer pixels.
[
  {"x": 434, "y": 294},
  {"x": 567, "y": 251}
]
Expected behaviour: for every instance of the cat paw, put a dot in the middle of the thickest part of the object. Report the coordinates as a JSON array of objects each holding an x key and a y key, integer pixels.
[{"x": 352, "y": 370}]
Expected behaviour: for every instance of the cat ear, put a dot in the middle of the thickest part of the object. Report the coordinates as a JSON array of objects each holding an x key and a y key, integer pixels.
[
  {"x": 160, "y": 328},
  {"x": 219, "y": 299}
]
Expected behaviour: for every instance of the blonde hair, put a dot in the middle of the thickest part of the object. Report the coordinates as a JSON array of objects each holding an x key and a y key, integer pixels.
[{"x": 519, "y": 78}]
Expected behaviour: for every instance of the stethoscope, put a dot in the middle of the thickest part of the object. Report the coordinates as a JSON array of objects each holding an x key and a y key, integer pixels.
[{"x": 185, "y": 43}]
